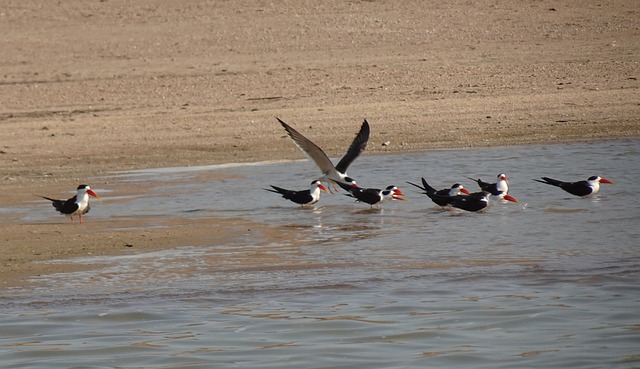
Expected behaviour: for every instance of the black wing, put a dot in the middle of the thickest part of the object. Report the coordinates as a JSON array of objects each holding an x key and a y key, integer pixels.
[
  {"x": 370, "y": 196},
  {"x": 299, "y": 197},
  {"x": 356, "y": 148},
  {"x": 65, "y": 206},
  {"x": 473, "y": 202},
  {"x": 580, "y": 188}
]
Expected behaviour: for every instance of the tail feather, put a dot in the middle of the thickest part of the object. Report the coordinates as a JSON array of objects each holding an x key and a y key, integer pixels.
[
  {"x": 277, "y": 189},
  {"x": 427, "y": 187},
  {"x": 416, "y": 185},
  {"x": 57, "y": 204},
  {"x": 483, "y": 185},
  {"x": 549, "y": 181}
]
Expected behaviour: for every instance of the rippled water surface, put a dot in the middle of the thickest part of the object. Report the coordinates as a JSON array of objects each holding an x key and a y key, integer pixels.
[{"x": 550, "y": 283}]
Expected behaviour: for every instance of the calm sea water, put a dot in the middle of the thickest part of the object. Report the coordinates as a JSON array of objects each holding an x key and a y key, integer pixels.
[{"x": 554, "y": 283}]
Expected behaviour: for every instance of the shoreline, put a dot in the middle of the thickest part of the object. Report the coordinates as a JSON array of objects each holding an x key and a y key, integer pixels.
[
  {"x": 92, "y": 88},
  {"x": 142, "y": 234}
]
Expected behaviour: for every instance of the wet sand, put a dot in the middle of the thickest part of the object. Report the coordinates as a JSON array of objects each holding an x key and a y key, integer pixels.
[{"x": 105, "y": 86}]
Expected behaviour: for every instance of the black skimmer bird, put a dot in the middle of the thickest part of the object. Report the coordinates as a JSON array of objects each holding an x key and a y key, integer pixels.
[
  {"x": 498, "y": 189},
  {"x": 373, "y": 196},
  {"x": 303, "y": 197},
  {"x": 77, "y": 205},
  {"x": 580, "y": 188},
  {"x": 477, "y": 201},
  {"x": 338, "y": 173},
  {"x": 441, "y": 197}
]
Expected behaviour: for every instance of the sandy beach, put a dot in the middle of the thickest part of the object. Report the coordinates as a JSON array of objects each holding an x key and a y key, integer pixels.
[{"x": 89, "y": 88}]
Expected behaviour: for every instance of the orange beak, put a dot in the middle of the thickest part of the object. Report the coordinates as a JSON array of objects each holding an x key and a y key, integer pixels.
[
  {"x": 323, "y": 188},
  {"x": 396, "y": 195},
  {"x": 465, "y": 191},
  {"x": 510, "y": 198},
  {"x": 603, "y": 180},
  {"x": 91, "y": 193}
]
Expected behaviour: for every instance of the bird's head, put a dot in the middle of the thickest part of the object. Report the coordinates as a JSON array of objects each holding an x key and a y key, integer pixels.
[
  {"x": 82, "y": 189},
  {"x": 395, "y": 193},
  {"x": 599, "y": 180},
  {"x": 350, "y": 181},
  {"x": 458, "y": 188},
  {"x": 319, "y": 185}
]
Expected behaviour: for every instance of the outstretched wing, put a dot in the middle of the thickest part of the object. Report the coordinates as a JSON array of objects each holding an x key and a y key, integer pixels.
[
  {"x": 357, "y": 146},
  {"x": 310, "y": 149}
]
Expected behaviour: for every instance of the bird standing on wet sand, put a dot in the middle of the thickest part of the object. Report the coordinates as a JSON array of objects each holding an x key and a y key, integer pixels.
[
  {"x": 338, "y": 173},
  {"x": 580, "y": 188},
  {"x": 441, "y": 197},
  {"x": 304, "y": 197},
  {"x": 77, "y": 205},
  {"x": 373, "y": 196},
  {"x": 477, "y": 201}
]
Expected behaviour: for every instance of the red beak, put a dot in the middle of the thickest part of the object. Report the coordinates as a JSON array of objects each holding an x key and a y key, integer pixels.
[
  {"x": 510, "y": 198},
  {"x": 465, "y": 191},
  {"x": 91, "y": 193},
  {"x": 396, "y": 195},
  {"x": 603, "y": 180},
  {"x": 323, "y": 188}
]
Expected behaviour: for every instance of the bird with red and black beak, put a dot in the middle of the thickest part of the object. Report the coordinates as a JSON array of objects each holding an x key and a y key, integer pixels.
[
  {"x": 441, "y": 197},
  {"x": 497, "y": 189},
  {"x": 302, "y": 197},
  {"x": 373, "y": 196},
  {"x": 580, "y": 188},
  {"x": 77, "y": 205}
]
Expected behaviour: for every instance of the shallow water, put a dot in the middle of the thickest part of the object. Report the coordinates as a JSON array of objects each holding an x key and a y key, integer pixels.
[{"x": 553, "y": 283}]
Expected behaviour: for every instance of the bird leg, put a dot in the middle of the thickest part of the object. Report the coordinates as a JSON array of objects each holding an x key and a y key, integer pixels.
[
  {"x": 332, "y": 187},
  {"x": 335, "y": 188}
]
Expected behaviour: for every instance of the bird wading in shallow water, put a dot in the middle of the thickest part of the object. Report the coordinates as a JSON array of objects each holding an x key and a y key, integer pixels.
[
  {"x": 497, "y": 189},
  {"x": 477, "y": 201},
  {"x": 77, "y": 205},
  {"x": 441, "y": 197},
  {"x": 331, "y": 173},
  {"x": 303, "y": 197},
  {"x": 373, "y": 196},
  {"x": 580, "y": 188}
]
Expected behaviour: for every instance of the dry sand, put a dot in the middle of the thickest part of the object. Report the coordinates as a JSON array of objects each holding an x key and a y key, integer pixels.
[{"x": 89, "y": 87}]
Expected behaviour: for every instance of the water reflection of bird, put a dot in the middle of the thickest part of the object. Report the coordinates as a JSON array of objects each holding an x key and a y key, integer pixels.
[
  {"x": 374, "y": 196},
  {"x": 441, "y": 197},
  {"x": 477, "y": 201},
  {"x": 580, "y": 188},
  {"x": 303, "y": 197},
  {"x": 338, "y": 173},
  {"x": 77, "y": 205}
]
